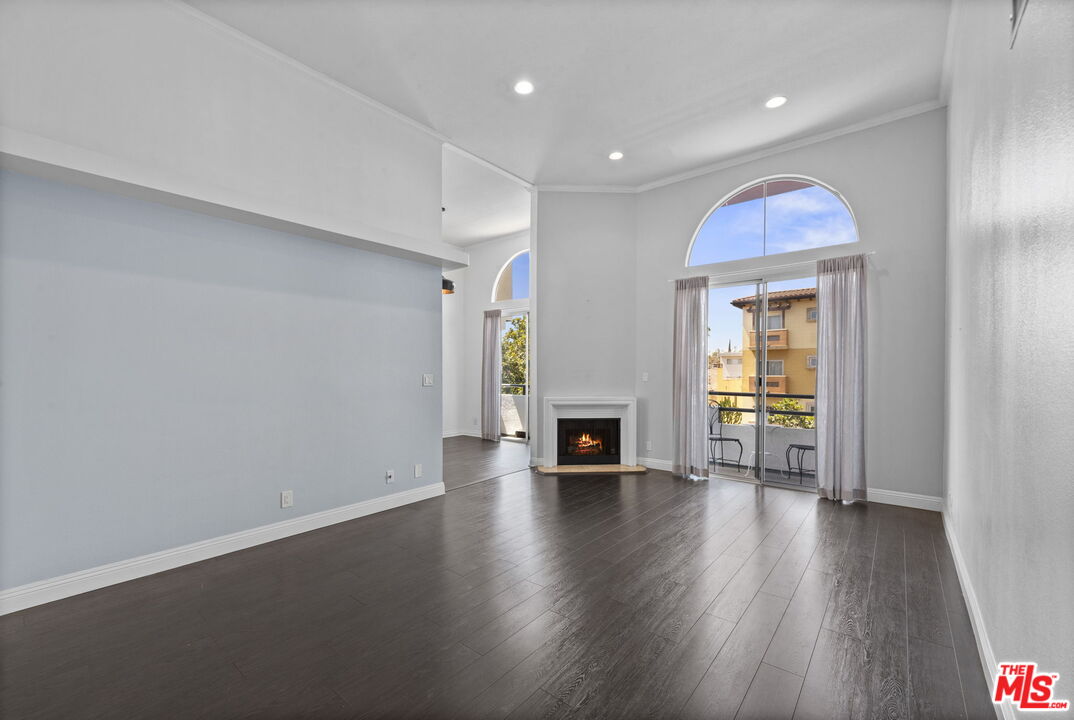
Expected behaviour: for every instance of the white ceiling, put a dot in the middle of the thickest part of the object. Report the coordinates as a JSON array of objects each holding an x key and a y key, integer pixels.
[
  {"x": 480, "y": 203},
  {"x": 674, "y": 84}
]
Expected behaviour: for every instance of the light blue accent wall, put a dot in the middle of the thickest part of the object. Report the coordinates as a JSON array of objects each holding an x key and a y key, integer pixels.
[{"x": 165, "y": 374}]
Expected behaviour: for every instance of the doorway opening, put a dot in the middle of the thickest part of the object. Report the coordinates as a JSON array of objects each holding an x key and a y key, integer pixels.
[{"x": 514, "y": 377}]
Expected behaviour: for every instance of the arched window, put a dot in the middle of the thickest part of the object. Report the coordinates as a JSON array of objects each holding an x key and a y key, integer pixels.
[
  {"x": 772, "y": 216},
  {"x": 513, "y": 282}
]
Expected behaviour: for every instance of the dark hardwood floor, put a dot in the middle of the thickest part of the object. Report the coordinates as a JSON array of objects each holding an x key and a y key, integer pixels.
[
  {"x": 530, "y": 596},
  {"x": 468, "y": 460}
]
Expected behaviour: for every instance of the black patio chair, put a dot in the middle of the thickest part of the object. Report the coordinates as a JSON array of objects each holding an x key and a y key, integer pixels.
[
  {"x": 716, "y": 437},
  {"x": 800, "y": 449}
]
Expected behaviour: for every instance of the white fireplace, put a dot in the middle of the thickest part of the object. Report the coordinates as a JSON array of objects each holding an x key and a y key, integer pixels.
[{"x": 623, "y": 408}]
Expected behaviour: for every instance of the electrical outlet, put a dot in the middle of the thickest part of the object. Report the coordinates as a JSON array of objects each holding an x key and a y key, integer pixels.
[
  {"x": 427, "y": 380},
  {"x": 418, "y": 471},
  {"x": 389, "y": 477},
  {"x": 287, "y": 498},
  {"x": 648, "y": 446}
]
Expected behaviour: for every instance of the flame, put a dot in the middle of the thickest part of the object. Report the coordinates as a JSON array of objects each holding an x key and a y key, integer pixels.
[{"x": 586, "y": 445}]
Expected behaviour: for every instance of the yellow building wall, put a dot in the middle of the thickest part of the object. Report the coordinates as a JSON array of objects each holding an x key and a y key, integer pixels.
[{"x": 801, "y": 341}]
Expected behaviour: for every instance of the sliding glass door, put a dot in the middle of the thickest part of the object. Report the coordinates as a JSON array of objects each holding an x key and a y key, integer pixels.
[
  {"x": 733, "y": 398},
  {"x": 789, "y": 353},
  {"x": 762, "y": 381}
]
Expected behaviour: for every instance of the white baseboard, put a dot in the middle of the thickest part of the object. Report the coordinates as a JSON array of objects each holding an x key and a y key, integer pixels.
[
  {"x": 57, "y": 588},
  {"x": 458, "y": 433},
  {"x": 984, "y": 646},
  {"x": 887, "y": 497},
  {"x": 655, "y": 464},
  {"x": 912, "y": 500}
]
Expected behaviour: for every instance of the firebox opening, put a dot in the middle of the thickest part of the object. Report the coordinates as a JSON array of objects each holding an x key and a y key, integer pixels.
[{"x": 588, "y": 441}]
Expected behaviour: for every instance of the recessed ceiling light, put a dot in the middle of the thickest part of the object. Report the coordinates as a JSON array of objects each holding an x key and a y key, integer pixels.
[
  {"x": 775, "y": 102},
  {"x": 615, "y": 155},
  {"x": 523, "y": 87}
]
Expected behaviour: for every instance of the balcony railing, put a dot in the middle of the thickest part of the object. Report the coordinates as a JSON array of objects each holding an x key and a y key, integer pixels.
[
  {"x": 514, "y": 408},
  {"x": 777, "y": 339},
  {"x": 774, "y": 383},
  {"x": 788, "y": 435},
  {"x": 713, "y": 394}
]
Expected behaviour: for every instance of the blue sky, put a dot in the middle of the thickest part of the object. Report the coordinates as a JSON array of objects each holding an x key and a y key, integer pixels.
[
  {"x": 797, "y": 220},
  {"x": 520, "y": 276}
]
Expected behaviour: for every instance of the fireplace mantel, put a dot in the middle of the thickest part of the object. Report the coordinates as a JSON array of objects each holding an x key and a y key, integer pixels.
[{"x": 624, "y": 408}]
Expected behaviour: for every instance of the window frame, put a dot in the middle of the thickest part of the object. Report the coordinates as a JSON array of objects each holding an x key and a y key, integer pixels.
[
  {"x": 752, "y": 261},
  {"x": 499, "y": 275}
]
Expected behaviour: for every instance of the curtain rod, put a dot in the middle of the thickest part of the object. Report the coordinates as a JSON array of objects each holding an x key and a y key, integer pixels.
[{"x": 764, "y": 270}]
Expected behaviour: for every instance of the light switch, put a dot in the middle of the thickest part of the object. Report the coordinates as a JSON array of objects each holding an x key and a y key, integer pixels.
[
  {"x": 645, "y": 377},
  {"x": 427, "y": 380}
]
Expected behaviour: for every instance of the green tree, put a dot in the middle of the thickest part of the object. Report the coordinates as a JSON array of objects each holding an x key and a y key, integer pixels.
[
  {"x": 728, "y": 417},
  {"x": 513, "y": 347},
  {"x": 790, "y": 421}
]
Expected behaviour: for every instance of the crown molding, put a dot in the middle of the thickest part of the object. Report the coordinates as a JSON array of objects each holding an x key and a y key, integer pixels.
[
  {"x": 900, "y": 114},
  {"x": 587, "y": 188}
]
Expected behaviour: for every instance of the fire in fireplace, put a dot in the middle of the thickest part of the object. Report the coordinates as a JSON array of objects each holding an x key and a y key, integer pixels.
[
  {"x": 585, "y": 445},
  {"x": 588, "y": 441}
]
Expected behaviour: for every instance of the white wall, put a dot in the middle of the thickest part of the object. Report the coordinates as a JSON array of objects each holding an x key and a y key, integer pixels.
[
  {"x": 463, "y": 318},
  {"x": 454, "y": 344},
  {"x": 1010, "y": 494},
  {"x": 585, "y": 296},
  {"x": 164, "y": 375},
  {"x": 156, "y": 95},
  {"x": 893, "y": 177}
]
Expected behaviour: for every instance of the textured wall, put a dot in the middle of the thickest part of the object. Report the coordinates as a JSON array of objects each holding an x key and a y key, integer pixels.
[
  {"x": 1010, "y": 492},
  {"x": 164, "y": 375}
]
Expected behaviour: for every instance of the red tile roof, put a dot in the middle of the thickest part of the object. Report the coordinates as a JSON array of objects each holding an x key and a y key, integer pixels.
[{"x": 802, "y": 294}]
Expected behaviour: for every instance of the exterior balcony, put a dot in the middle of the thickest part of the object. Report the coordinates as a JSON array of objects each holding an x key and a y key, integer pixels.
[{"x": 777, "y": 340}]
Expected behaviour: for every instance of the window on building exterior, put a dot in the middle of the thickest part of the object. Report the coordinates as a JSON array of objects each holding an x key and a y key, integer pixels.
[
  {"x": 811, "y": 362},
  {"x": 513, "y": 282},
  {"x": 774, "y": 216},
  {"x": 775, "y": 367},
  {"x": 732, "y": 368},
  {"x": 811, "y": 314},
  {"x": 775, "y": 321}
]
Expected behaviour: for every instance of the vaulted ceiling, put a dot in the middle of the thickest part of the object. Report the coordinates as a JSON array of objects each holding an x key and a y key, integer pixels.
[{"x": 673, "y": 84}]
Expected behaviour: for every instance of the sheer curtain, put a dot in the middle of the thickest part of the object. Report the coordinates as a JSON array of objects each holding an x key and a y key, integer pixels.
[
  {"x": 841, "y": 378},
  {"x": 689, "y": 391},
  {"x": 491, "y": 371}
]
